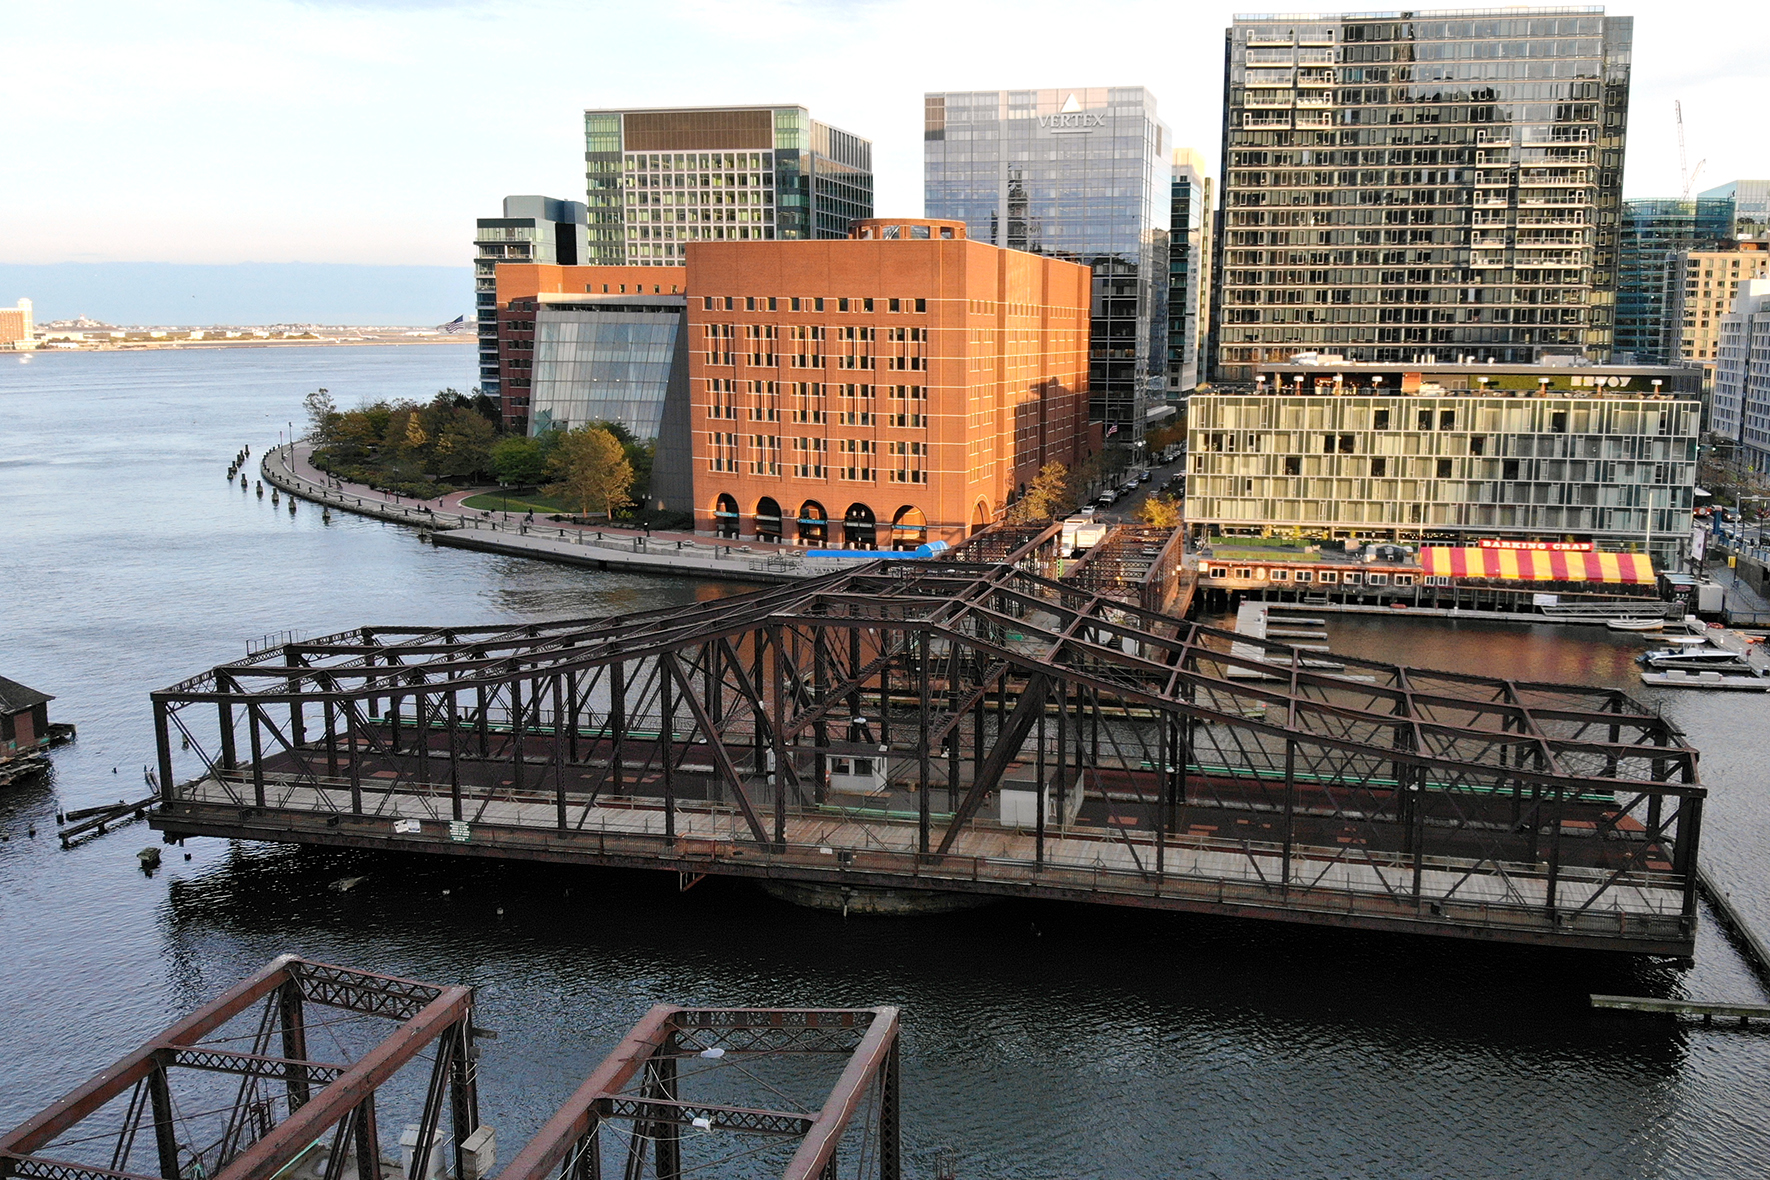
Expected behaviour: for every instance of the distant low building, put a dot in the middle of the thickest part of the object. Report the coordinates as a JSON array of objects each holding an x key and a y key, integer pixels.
[
  {"x": 1452, "y": 453},
  {"x": 16, "y": 328}
]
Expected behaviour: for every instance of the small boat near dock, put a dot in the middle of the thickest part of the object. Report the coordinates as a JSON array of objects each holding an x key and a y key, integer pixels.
[
  {"x": 1743, "y": 681},
  {"x": 1635, "y": 624}
]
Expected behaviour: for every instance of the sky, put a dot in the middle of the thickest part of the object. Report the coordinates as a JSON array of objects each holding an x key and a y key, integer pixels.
[{"x": 357, "y": 131}]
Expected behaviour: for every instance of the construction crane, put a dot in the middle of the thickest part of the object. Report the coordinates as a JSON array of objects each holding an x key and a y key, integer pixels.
[{"x": 1689, "y": 175}]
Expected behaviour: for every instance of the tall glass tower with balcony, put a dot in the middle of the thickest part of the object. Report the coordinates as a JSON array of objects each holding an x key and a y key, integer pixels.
[
  {"x": 533, "y": 229},
  {"x": 1081, "y": 175},
  {"x": 1416, "y": 187},
  {"x": 659, "y": 179}
]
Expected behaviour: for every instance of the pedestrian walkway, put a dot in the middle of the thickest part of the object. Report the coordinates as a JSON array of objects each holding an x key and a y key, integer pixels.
[{"x": 449, "y": 524}]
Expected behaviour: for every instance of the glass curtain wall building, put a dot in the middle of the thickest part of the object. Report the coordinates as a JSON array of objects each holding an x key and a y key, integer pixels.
[
  {"x": 1400, "y": 187},
  {"x": 1189, "y": 271},
  {"x": 1653, "y": 231},
  {"x": 1080, "y": 175},
  {"x": 532, "y": 229},
  {"x": 659, "y": 179},
  {"x": 1751, "y": 207}
]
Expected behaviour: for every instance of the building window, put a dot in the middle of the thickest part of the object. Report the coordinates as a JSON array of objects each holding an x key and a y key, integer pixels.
[
  {"x": 1509, "y": 469},
  {"x": 1447, "y": 419},
  {"x": 1379, "y": 465},
  {"x": 1305, "y": 575},
  {"x": 1380, "y": 420},
  {"x": 1329, "y": 576},
  {"x": 1293, "y": 465},
  {"x": 1444, "y": 469},
  {"x": 1281, "y": 575}
]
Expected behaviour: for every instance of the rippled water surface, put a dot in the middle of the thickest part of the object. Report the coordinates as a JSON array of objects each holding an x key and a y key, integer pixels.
[{"x": 1040, "y": 1041}]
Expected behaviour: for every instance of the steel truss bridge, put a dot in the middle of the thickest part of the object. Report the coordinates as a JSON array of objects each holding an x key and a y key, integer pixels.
[
  {"x": 964, "y": 727},
  {"x": 231, "y": 1092}
]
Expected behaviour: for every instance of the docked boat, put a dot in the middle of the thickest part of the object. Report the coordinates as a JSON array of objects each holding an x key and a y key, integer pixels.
[
  {"x": 1747, "y": 681},
  {"x": 1692, "y": 658},
  {"x": 1635, "y": 624},
  {"x": 1677, "y": 641}
]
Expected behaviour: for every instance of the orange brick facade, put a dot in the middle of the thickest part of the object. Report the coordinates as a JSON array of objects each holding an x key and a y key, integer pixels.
[
  {"x": 520, "y": 286},
  {"x": 898, "y": 386}
]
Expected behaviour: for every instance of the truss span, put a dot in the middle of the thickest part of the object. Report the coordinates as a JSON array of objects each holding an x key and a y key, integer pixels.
[{"x": 965, "y": 726}]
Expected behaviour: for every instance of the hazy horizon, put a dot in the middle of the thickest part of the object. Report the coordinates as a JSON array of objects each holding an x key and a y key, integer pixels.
[{"x": 172, "y": 294}]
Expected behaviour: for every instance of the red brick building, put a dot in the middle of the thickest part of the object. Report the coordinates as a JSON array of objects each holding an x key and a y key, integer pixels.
[{"x": 899, "y": 386}]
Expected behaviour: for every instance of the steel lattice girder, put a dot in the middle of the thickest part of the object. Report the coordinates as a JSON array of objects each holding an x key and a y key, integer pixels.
[
  {"x": 447, "y": 1012},
  {"x": 868, "y": 1036},
  {"x": 1177, "y": 667}
]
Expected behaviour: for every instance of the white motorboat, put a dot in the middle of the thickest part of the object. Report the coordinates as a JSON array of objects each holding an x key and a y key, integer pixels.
[
  {"x": 1635, "y": 624},
  {"x": 1677, "y": 640}
]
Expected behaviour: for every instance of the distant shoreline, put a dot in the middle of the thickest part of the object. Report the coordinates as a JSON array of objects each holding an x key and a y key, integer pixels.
[{"x": 168, "y": 345}]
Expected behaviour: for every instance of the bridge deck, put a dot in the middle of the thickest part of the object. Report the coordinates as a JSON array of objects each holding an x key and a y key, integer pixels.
[{"x": 1223, "y": 859}]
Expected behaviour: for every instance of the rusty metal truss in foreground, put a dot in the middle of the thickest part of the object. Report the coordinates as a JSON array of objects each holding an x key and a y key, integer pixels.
[
  {"x": 691, "y": 1091},
  {"x": 964, "y": 727},
  {"x": 231, "y": 1093}
]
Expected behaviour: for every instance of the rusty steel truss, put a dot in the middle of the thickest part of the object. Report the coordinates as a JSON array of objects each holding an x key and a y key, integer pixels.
[
  {"x": 286, "y": 1109},
  {"x": 964, "y": 726},
  {"x": 672, "y": 1095}
]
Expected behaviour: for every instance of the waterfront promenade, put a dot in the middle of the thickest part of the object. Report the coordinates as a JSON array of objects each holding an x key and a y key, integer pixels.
[{"x": 450, "y": 524}]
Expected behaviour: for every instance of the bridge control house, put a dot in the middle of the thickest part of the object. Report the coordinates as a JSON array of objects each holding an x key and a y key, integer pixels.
[{"x": 1450, "y": 455}]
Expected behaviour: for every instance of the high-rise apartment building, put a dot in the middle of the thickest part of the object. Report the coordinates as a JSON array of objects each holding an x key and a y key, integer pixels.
[
  {"x": 532, "y": 229},
  {"x": 660, "y": 179},
  {"x": 1751, "y": 207},
  {"x": 1700, "y": 288},
  {"x": 897, "y": 387},
  {"x": 1405, "y": 186},
  {"x": 1740, "y": 406},
  {"x": 17, "y": 329},
  {"x": 1081, "y": 175},
  {"x": 1189, "y": 271},
  {"x": 1653, "y": 231}
]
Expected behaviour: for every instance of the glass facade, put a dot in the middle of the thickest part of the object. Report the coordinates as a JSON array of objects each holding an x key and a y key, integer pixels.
[
  {"x": 533, "y": 229},
  {"x": 657, "y": 180},
  {"x": 1189, "y": 270},
  {"x": 1653, "y": 231},
  {"x": 1751, "y": 207},
  {"x": 1448, "y": 465},
  {"x": 1414, "y": 187},
  {"x": 604, "y": 361},
  {"x": 1080, "y": 175}
]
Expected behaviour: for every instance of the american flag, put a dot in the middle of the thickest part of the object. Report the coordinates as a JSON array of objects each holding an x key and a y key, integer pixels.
[{"x": 1112, "y": 430}]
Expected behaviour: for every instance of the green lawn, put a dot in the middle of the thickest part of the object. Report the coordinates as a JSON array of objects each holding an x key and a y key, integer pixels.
[{"x": 516, "y": 502}]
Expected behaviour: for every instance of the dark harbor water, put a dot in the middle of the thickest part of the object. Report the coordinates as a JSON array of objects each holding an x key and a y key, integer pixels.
[{"x": 1040, "y": 1040}]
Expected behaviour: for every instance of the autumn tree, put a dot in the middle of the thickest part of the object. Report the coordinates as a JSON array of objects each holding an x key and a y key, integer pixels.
[
  {"x": 1160, "y": 511},
  {"x": 590, "y": 468},
  {"x": 1049, "y": 495}
]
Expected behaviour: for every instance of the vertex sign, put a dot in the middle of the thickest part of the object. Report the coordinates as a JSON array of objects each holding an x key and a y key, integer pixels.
[
  {"x": 1072, "y": 118},
  {"x": 1085, "y": 121}
]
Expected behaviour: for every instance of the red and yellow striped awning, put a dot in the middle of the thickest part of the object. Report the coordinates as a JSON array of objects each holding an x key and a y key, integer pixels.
[{"x": 1536, "y": 565}]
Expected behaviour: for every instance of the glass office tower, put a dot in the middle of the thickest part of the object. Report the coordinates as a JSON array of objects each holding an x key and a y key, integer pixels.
[
  {"x": 1653, "y": 231},
  {"x": 1404, "y": 187},
  {"x": 1081, "y": 175},
  {"x": 659, "y": 179},
  {"x": 1189, "y": 271}
]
